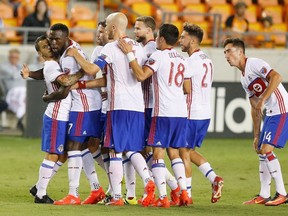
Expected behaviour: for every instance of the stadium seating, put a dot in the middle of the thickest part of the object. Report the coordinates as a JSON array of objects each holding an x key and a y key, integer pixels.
[
  {"x": 224, "y": 9},
  {"x": 142, "y": 8},
  {"x": 280, "y": 40},
  {"x": 11, "y": 35},
  {"x": 84, "y": 37},
  {"x": 167, "y": 8},
  {"x": 247, "y": 2},
  {"x": 6, "y": 11},
  {"x": 194, "y": 8},
  {"x": 276, "y": 12},
  {"x": 58, "y": 9},
  {"x": 184, "y": 3},
  {"x": 251, "y": 13},
  {"x": 264, "y": 3}
]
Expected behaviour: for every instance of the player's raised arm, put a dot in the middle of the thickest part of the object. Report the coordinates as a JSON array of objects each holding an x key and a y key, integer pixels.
[
  {"x": 140, "y": 73},
  {"x": 70, "y": 79},
  {"x": 96, "y": 83},
  {"x": 37, "y": 75},
  {"x": 88, "y": 67}
]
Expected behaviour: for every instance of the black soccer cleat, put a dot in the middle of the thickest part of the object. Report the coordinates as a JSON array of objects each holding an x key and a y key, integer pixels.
[
  {"x": 45, "y": 200},
  {"x": 33, "y": 190}
]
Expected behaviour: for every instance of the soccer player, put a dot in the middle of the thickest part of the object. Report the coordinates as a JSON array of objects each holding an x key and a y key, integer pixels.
[
  {"x": 144, "y": 33},
  {"x": 265, "y": 90},
  {"x": 55, "y": 119},
  {"x": 199, "y": 109},
  {"x": 125, "y": 113},
  {"x": 169, "y": 115}
]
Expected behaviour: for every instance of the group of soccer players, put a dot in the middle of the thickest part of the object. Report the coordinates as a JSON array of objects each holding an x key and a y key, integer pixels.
[{"x": 157, "y": 102}]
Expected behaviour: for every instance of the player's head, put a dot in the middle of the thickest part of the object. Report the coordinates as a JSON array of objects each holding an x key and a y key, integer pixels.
[
  {"x": 167, "y": 35},
  {"x": 42, "y": 46},
  {"x": 101, "y": 34},
  {"x": 116, "y": 25},
  {"x": 144, "y": 27},
  {"x": 191, "y": 37},
  {"x": 59, "y": 38},
  {"x": 234, "y": 50}
]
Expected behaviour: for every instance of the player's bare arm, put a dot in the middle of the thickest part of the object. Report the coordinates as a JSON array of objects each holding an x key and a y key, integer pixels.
[
  {"x": 187, "y": 86},
  {"x": 140, "y": 73},
  {"x": 96, "y": 83},
  {"x": 256, "y": 122},
  {"x": 88, "y": 67},
  {"x": 25, "y": 73},
  {"x": 57, "y": 95},
  {"x": 68, "y": 80}
]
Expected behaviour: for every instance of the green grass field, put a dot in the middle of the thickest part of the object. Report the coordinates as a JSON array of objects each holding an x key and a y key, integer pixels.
[{"x": 233, "y": 159}]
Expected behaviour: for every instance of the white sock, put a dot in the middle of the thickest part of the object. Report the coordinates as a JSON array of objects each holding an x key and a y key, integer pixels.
[
  {"x": 189, "y": 186},
  {"x": 89, "y": 169},
  {"x": 56, "y": 167},
  {"x": 74, "y": 171},
  {"x": 265, "y": 177},
  {"x": 207, "y": 171},
  {"x": 140, "y": 166},
  {"x": 45, "y": 172},
  {"x": 130, "y": 177},
  {"x": 171, "y": 180},
  {"x": 116, "y": 174},
  {"x": 179, "y": 171},
  {"x": 158, "y": 170},
  {"x": 106, "y": 161},
  {"x": 149, "y": 159},
  {"x": 275, "y": 171},
  {"x": 97, "y": 157}
]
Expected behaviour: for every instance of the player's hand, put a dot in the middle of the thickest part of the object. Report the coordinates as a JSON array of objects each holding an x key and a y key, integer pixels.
[
  {"x": 24, "y": 71},
  {"x": 71, "y": 52},
  {"x": 74, "y": 86},
  {"x": 104, "y": 95},
  {"x": 44, "y": 96},
  {"x": 124, "y": 46},
  {"x": 255, "y": 144}
]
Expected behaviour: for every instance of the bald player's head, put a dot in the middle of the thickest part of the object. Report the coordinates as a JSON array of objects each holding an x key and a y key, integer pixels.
[{"x": 116, "y": 25}]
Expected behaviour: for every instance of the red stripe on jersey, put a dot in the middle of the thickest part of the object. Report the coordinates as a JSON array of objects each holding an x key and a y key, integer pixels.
[
  {"x": 280, "y": 128},
  {"x": 152, "y": 131},
  {"x": 189, "y": 100},
  {"x": 280, "y": 101},
  {"x": 112, "y": 93},
  {"x": 57, "y": 104},
  {"x": 156, "y": 94},
  {"x": 84, "y": 100},
  {"x": 79, "y": 122},
  {"x": 146, "y": 85},
  {"x": 53, "y": 138},
  {"x": 108, "y": 132}
]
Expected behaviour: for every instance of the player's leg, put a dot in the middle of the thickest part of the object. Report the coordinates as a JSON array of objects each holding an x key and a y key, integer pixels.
[
  {"x": 185, "y": 156},
  {"x": 130, "y": 181}
]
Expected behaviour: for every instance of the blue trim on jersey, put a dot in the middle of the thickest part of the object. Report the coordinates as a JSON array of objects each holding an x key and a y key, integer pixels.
[
  {"x": 87, "y": 152},
  {"x": 100, "y": 62}
]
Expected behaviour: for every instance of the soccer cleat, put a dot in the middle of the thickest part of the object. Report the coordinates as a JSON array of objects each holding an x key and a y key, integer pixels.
[
  {"x": 217, "y": 189},
  {"x": 94, "y": 197},
  {"x": 278, "y": 199},
  {"x": 148, "y": 194},
  {"x": 68, "y": 200},
  {"x": 114, "y": 202},
  {"x": 131, "y": 201},
  {"x": 175, "y": 196},
  {"x": 45, "y": 200},
  {"x": 164, "y": 203},
  {"x": 106, "y": 200},
  {"x": 184, "y": 199},
  {"x": 257, "y": 200},
  {"x": 33, "y": 190}
]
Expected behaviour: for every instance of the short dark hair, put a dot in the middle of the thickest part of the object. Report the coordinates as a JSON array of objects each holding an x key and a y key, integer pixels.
[
  {"x": 102, "y": 23},
  {"x": 170, "y": 33},
  {"x": 40, "y": 38},
  {"x": 61, "y": 27},
  {"x": 236, "y": 42},
  {"x": 194, "y": 30},
  {"x": 148, "y": 21}
]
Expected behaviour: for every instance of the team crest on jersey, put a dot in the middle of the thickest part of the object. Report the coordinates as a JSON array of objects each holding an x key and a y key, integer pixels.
[
  {"x": 250, "y": 78},
  {"x": 151, "y": 61},
  {"x": 60, "y": 148},
  {"x": 263, "y": 70},
  {"x": 66, "y": 70}
]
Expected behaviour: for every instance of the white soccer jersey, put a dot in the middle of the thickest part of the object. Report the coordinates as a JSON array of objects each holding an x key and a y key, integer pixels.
[
  {"x": 198, "y": 101},
  {"x": 83, "y": 100},
  {"x": 124, "y": 91},
  {"x": 254, "y": 83},
  {"x": 149, "y": 48},
  {"x": 169, "y": 72},
  {"x": 57, "y": 110}
]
